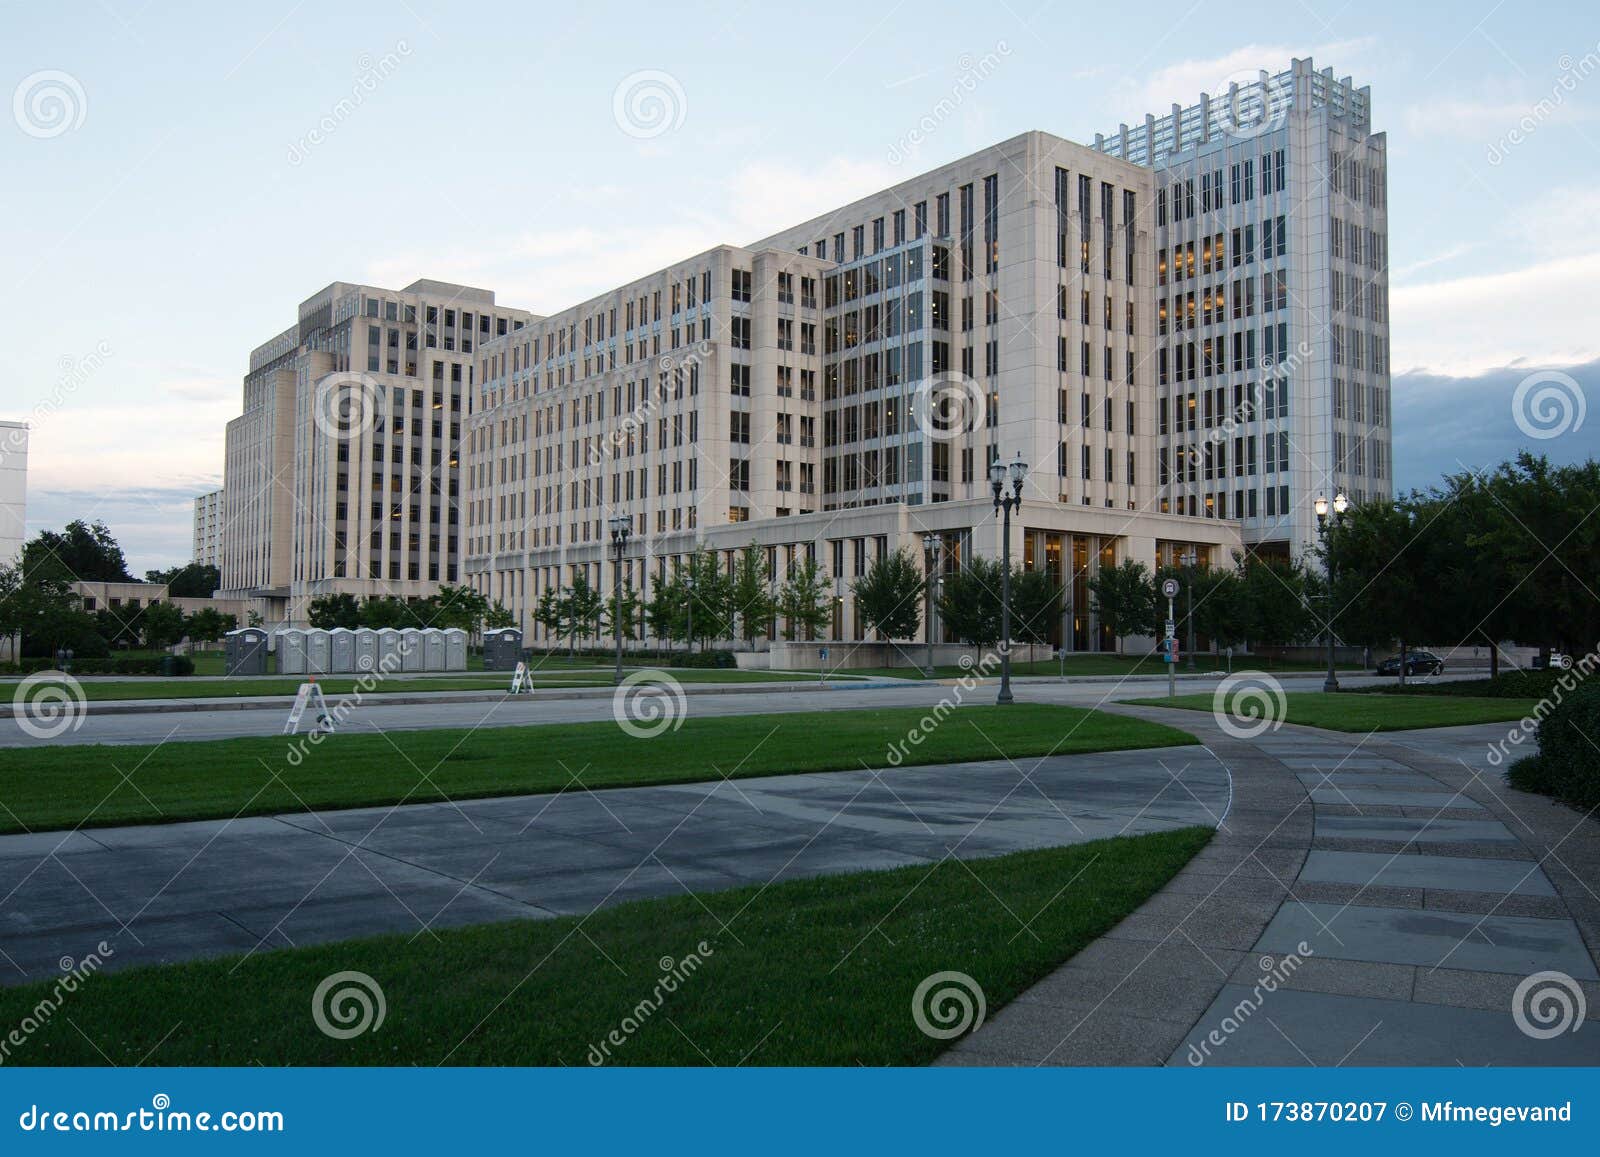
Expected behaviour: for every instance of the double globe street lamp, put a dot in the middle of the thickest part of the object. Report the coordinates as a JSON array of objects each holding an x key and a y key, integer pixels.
[
  {"x": 999, "y": 474},
  {"x": 932, "y": 554},
  {"x": 621, "y": 530},
  {"x": 1321, "y": 506}
]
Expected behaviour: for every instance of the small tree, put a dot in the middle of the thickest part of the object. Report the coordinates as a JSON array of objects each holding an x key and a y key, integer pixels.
[
  {"x": 750, "y": 601},
  {"x": 582, "y": 611},
  {"x": 334, "y": 610},
  {"x": 161, "y": 625},
  {"x": 1035, "y": 605},
  {"x": 498, "y": 617},
  {"x": 664, "y": 611},
  {"x": 623, "y": 606},
  {"x": 549, "y": 613},
  {"x": 804, "y": 601},
  {"x": 382, "y": 611},
  {"x": 711, "y": 599},
  {"x": 889, "y": 596},
  {"x": 1124, "y": 599},
  {"x": 969, "y": 604},
  {"x": 208, "y": 625}
]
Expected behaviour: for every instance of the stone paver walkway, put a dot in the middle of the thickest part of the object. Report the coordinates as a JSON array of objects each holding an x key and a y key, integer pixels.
[{"x": 1369, "y": 900}]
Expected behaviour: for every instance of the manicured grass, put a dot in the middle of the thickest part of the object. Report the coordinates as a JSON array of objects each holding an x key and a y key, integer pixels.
[
  {"x": 809, "y": 972},
  {"x": 157, "y": 687},
  {"x": 1099, "y": 664},
  {"x": 1363, "y": 712},
  {"x": 67, "y": 785}
]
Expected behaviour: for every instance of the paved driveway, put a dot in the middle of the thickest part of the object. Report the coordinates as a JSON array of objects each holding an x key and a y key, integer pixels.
[{"x": 173, "y": 892}]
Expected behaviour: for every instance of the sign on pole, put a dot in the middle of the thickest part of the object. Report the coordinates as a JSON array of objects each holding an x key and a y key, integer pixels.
[{"x": 1169, "y": 588}]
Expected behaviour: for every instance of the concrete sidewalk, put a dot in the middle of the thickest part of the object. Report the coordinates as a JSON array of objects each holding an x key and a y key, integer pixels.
[
  {"x": 163, "y": 893},
  {"x": 1369, "y": 901}
]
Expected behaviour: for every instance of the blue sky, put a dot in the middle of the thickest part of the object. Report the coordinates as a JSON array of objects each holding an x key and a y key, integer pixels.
[{"x": 218, "y": 163}]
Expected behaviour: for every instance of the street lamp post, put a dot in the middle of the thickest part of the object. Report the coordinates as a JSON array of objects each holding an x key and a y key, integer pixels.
[
  {"x": 688, "y": 586},
  {"x": 932, "y": 550},
  {"x": 1005, "y": 503},
  {"x": 1189, "y": 560},
  {"x": 621, "y": 528},
  {"x": 1340, "y": 505}
]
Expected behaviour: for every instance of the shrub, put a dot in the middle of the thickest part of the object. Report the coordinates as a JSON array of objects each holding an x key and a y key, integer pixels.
[
  {"x": 705, "y": 659},
  {"x": 1567, "y": 766},
  {"x": 1510, "y": 685}
]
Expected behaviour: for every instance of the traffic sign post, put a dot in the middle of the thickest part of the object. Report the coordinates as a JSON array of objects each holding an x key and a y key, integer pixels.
[{"x": 1170, "y": 589}]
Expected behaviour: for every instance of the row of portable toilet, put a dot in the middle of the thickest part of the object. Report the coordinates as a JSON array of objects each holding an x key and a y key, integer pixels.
[{"x": 385, "y": 649}]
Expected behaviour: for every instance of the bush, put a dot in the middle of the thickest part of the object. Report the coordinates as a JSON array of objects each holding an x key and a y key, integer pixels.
[
  {"x": 704, "y": 659},
  {"x": 1567, "y": 766},
  {"x": 1511, "y": 685},
  {"x": 114, "y": 665}
]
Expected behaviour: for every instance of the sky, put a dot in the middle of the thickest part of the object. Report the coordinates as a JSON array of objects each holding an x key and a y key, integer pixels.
[{"x": 175, "y": 178}]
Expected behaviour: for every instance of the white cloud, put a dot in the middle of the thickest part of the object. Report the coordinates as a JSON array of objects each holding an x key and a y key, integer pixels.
[
  {"x": 551, "y": 270},
  {"x": 1183, "y": 82},
  {"x": 1536, "y": 315}
]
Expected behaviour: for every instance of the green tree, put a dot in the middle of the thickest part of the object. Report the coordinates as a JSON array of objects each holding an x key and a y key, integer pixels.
[
  {"x": 379, "y": 611},
  {"x": 750, "y": 599},
  {"x": 334, "y": 610},
  {"x": 460, "y": 606},
  {"x": 969, "y": 602},
  {"x": 498, "y": 617},
  {"x": 1275, "y": 601},
  {"x": 889, "y": 596},
  {"x": 664, "y": 612},
  {"x": 1124, "y": 598},
  {"x": 207, "y": 625},
  {"x": 162, "y": 625},
  {"x": 1383, "y": 584},
  {"x": 711, "y": 598},
  {"x": 1035, "y": 605},
  {"x": 84, "y": 552},
  {"x": 548, "y": 613},
  {"x": 46, "y": 614},
  {"x": 804, "y": 600},
  {"x": 192, "y": 581},
  {"x": 582, "y": 610},
  {"x": 623, "y": 604}
]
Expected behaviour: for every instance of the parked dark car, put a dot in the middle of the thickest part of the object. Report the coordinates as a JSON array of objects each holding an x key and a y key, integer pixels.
[{"x": 1417, "y": 663}]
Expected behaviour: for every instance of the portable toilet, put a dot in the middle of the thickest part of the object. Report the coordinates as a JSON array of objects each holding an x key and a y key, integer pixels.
[
  {"x": 292, "y": 651},
  {"x": 245, "y": 651},
  {"x": 455, "y": 649},
  {"x": 366, "y": 649},
  {"x": 411, "y": 653},
  {"x": 389, "y": 643},
  {"x": 341, "y": 650},
  {"x": 319, "y": 658},
  {"x": 502, "y": 649},
  {"x": 432, "y": 649}
]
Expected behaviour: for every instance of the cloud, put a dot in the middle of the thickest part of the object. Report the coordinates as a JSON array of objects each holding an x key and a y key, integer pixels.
[
  {"x": 1182, "y": 83},
  {"x": 1444, "y": 425},
  {"x": 153, "y": 524},
  {"x": 1533, "y": 314},
  {"x": 1490, "y": 112},
  {"x": 548, "y": 271}
]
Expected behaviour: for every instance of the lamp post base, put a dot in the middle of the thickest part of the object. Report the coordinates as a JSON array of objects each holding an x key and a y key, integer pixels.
[
  {"x": 1330, "y": 684},
  {"x": 928, "y": 672},
  {"x": 1004, "y": 696}
]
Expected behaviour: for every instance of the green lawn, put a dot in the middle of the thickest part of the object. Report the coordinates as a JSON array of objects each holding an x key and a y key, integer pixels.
[
  {"x": 1363, "y": 712},
  {"x": 60, "y": 786},
  {"x": 1100, "y": 664},
  {"x": 190, "y": 687},
  {"x": 809, "y": 972}
]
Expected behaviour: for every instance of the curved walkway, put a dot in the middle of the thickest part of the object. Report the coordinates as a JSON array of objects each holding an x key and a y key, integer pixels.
[{"x": 1369, "y": 900}]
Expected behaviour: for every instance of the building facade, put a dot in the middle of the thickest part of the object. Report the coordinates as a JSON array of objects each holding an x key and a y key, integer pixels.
[
  {"x": 13, "y": 490},
  {"x": 208, "y": 529},
  {"x": 342, "y": 474},
  {"x": 1271, "y": 246},
  {"x": 838, "y": 391}
]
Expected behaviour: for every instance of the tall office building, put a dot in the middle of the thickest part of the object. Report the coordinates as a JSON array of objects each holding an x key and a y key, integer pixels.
[
  {"x": 839, "y": 390},
  {"x": 1271, "y": 243},
  {"x": 208, "y": 529},
  {"x": 13, "y": 490},
  {"x": 342, "y": 472}
]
